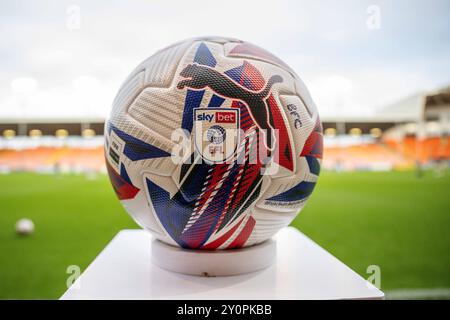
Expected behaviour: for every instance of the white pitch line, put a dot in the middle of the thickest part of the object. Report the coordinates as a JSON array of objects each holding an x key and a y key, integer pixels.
[{"x": 419, "y": 294}]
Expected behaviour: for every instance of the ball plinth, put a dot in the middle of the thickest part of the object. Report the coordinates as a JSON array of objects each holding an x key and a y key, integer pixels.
[{"x": 214, "y": 263}]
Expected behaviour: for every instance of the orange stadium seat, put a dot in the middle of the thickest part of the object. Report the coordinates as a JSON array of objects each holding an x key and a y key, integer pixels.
[
  {"x": 425, "y": 150},
  {"x": 389, "y": 154},
  {"x": 364, "y": 156},
  {"x": 85, "y": 159}
]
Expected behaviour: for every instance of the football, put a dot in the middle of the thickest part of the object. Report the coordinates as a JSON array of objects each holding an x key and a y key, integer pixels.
[
  {"x": 213, "y": 143},
  {"x": 24, "y": 227}
]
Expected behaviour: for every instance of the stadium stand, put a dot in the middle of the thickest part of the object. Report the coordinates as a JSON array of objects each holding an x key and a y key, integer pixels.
[
  {"x": 400, "y": 136},
  {"x": 47, "y": 159},
  {"x": 426, "y": 150},
  {"x": 368, "y": 156},
  {"x": 414, "y": 131}
]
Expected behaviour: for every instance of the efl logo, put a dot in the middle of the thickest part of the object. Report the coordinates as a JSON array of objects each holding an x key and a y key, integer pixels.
[
  {"x": 216, "y": 133},
  {"x": 225, "y": 117}
]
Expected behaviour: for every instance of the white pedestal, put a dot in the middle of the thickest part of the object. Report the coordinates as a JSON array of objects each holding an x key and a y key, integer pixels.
[
  {"x": 212, "y": 263},
  {"x": 302, "y": 270}
]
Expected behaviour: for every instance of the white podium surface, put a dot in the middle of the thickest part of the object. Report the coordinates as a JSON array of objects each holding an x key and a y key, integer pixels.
[{"x": 303, "y": 270}]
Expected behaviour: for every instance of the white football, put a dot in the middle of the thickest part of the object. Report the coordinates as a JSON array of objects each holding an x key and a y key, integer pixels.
[
  {"x": 213, "y": 143},
  {"x": 24, "y": 226}
]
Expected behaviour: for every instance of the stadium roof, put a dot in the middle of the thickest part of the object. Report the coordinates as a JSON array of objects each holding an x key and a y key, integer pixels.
[
  {"x": 53, "y": 120},
  {"x": 409, "y": 109},
  {"x": 414, "y": 108}
]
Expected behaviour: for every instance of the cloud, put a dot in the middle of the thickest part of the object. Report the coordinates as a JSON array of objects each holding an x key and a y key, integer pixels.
[{"x": 349, "y": 68}]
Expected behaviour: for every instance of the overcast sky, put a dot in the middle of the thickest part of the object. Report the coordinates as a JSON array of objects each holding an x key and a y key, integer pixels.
[{"x": 355, "y": 56}]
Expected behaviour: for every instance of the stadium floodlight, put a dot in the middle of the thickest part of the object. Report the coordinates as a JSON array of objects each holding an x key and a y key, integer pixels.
[
  {"x": 9, "y": 133},
  {"x": 433, "y": 127},
  {"x": 35, "y": 133},
  {"x": 355, "y": 132},
  {"x": 213, "y": 144},
  {"x": 376, "y": 132},
  {"x": 61, "y": 133},
  {"x": 411, "y": 128},
  {"x": 88, "y": 133},
  {"x": 330, "y": 132}
]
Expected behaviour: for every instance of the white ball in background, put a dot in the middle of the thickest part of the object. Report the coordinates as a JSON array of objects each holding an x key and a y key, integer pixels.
[{"x": 24, "y": 227}]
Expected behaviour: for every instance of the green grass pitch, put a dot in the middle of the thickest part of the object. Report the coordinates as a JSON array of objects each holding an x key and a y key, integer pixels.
[{"x": 393, "y": 220}]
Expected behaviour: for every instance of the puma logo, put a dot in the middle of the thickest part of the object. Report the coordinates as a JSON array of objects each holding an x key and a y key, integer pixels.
[{"x": 199, "y": 77}]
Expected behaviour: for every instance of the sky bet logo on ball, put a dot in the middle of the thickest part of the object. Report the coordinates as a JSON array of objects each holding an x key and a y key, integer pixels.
[{"x": 216, "y": 133}]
